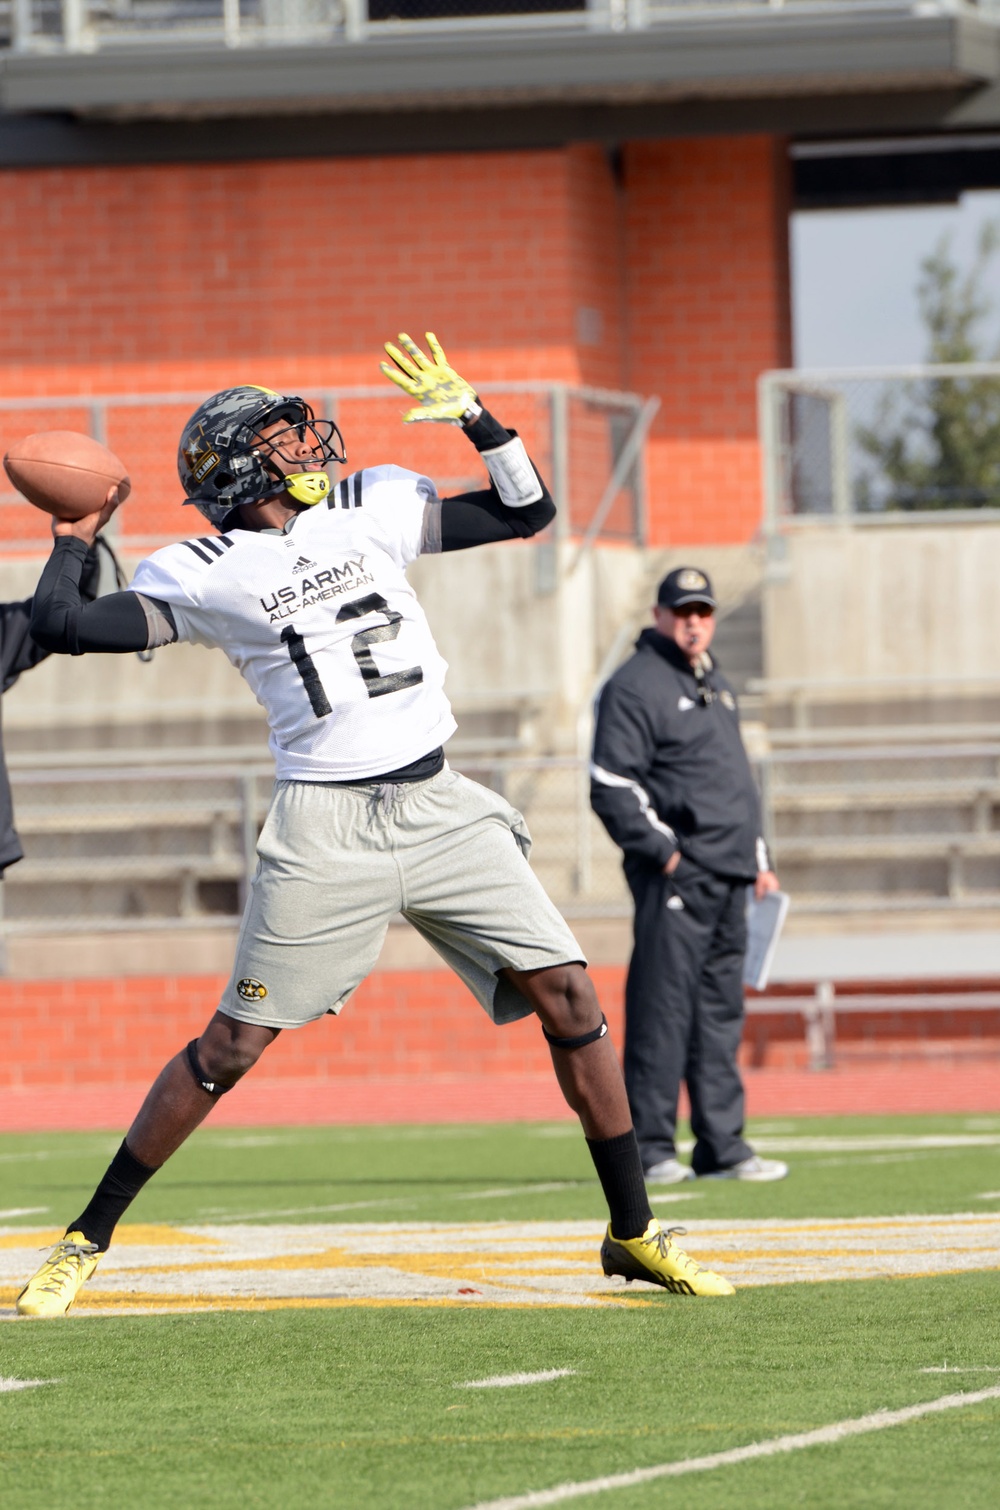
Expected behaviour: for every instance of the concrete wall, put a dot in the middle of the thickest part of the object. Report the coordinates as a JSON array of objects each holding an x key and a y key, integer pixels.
[{"x": 885, "y": 600}]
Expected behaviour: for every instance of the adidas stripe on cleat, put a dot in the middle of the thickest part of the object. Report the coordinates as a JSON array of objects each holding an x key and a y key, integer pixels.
[
  {"x": 54, "y": 1288},
  {"x": 655, "y": 1258}
]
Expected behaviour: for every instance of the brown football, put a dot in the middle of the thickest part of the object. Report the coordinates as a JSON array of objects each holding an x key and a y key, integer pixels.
[{"x": 65, "y": 473}]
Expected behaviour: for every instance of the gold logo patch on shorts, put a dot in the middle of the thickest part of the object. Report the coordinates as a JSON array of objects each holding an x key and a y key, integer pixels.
[{"x": 250, "y": 989}]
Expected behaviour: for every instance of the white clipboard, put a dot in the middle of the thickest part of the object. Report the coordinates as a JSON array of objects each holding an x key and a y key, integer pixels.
[{"x": 765, "y": 919}]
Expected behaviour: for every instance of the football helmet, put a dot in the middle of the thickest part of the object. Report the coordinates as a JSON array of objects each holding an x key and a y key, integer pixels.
[{"x": 222, "y": 461}]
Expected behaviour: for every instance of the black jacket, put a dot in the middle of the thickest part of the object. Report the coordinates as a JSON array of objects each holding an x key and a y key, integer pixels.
[
  {"x": 19, "y": 652},
  {"x": 669, "y": 769}
]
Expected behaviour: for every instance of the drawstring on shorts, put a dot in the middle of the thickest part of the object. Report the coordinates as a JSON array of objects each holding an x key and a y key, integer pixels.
[{"x": 384, "y": 797}]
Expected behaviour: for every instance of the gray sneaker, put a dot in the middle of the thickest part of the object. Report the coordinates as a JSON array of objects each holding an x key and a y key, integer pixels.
[
  {"x": 668, "y": 1172},
  {"x": 754, "y": 1168}
]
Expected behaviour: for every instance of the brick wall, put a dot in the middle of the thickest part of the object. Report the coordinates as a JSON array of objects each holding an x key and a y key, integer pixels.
[
  {"x": 404, "y": 1026},
  {"x": 708, "y": 309},
  {"x": 413, "y": 1024},
  {"x": 666, "y": 276}
]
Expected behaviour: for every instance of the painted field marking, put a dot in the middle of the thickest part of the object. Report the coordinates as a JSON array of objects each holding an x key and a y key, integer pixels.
[
  {"x": 505, "y": 1381},
  {"x": 989, "y": 1195},
  {"x": 961, "y": 1368},
  {"x": 7, "y": 1386},
  {"x": 874, "y": 1142},
  {"x": 878, "y": 1420},
  {"x": 508, "y": 1190},
  {"x": 504, "y": 1263},
  {"x": 24, "y": 1211}
]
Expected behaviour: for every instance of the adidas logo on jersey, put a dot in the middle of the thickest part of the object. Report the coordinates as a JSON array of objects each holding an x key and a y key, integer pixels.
[{"x": 322, "y": 584}]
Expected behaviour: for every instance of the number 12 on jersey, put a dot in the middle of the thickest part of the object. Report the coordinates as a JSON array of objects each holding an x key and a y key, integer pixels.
[{"x": 375, "y": 684}]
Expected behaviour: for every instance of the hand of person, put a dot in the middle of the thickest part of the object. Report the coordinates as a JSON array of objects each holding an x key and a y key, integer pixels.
[
  {"x": 87, "y": 528},
  {"x": 672, "y": 863},
  {"x": 766, "y": 881},
  {"x": 442, "y": 395}
]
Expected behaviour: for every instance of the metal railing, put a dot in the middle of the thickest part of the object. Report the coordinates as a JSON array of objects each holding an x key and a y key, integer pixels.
[
  {"x": 892, "y": 829},
  {"x": 881, "y": 444},
  {"x": 156, "y": 845},
  {"x": 588, "y": 443},
  {"x": 77, "y": 26}
]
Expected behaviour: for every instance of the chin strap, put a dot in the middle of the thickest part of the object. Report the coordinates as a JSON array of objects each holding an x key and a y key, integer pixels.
[
  {"x": 582, "y": 1041},
  {"x": 307, "y": 487}
]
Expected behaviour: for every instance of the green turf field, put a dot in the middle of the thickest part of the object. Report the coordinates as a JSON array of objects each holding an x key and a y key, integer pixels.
[{"x": 364, "y": 1404}]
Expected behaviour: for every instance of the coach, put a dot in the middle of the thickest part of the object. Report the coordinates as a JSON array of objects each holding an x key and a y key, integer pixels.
[{"x": 671, "y": 783}]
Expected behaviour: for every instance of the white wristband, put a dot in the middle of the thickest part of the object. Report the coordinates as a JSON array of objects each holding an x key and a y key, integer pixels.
[{"x": 512, "y": 474}]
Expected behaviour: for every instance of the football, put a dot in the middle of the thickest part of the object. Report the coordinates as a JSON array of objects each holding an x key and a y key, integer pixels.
[{"x": 65, "y": 473}]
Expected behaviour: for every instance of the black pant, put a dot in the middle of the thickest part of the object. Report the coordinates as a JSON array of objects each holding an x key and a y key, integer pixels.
[{"x": 684, "y": 1013}]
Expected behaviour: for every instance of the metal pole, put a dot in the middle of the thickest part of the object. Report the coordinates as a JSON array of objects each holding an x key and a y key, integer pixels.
[
  {"x": 626, "y": 461},
  {"x": 840, "y": 478},
  {"x": 21, "y": 26},
  {"x": 74, "y": 20},
  {"x": 231, "y": 22},
  {"x": 355, "y": 20},
  {"x": 768, "y": 393}
]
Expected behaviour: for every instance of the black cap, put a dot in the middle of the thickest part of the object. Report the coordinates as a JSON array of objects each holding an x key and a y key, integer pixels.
[{"x": 686, "y": 584}]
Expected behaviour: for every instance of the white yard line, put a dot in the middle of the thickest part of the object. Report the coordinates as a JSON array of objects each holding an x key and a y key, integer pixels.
[
  {"x": 878, "y": 1420},
  {"x": 7, "y": 1386},
  {"x": 505, "y": 1381},
  {"x": 25, "y": 1211},
  {"x": 502, "y": 1191},
  {"x": 960, "y": 1368}
]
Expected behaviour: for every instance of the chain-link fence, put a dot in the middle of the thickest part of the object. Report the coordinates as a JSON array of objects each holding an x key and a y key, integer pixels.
[
  {"x": 891, "y": 441},
  {"x": 855, "y": 831},
  {"x": 576, "y": 436}
]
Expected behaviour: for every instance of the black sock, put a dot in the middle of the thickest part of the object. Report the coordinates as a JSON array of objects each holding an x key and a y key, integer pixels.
[
  {"x": 122, "y": 1181},
  {"x": 619, "y": 1169}
]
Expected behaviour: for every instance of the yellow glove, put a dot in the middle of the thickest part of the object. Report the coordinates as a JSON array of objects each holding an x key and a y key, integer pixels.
[{"x": 441, "y": 394}]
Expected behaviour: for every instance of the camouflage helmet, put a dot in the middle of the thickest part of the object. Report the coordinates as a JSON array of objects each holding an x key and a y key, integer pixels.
[{"x": 219, "y": 460}]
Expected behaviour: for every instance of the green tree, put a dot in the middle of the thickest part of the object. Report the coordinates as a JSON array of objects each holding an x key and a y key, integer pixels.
[{"x": 935, "y": 442}]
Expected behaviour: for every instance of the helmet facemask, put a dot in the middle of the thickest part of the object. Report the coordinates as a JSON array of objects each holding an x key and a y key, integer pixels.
[{"x": 311, "y": 486}]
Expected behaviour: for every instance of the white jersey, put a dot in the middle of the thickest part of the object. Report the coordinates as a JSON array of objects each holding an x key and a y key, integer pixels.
[{"x": 324, "y": 626}]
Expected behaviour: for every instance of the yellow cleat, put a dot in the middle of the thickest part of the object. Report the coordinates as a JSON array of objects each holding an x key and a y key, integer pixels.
[
  {"x": 53, "y": 1289},
  {"x": 655, "y": 1258}
]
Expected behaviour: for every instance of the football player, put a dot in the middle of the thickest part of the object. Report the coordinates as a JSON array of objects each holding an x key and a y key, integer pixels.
[{"x": 304, "y": 588}]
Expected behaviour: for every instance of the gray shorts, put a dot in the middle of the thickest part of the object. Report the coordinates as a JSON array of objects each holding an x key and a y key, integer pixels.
[{"x": 336, "y": 863}]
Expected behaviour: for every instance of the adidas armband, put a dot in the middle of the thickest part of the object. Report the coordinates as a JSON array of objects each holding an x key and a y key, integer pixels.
[{"x": 512, "y": 474}]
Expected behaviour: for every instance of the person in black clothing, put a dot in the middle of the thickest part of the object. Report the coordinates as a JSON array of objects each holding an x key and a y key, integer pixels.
[
  {"x": 18, "y": 653},
  {"x": 671, "y": 783}
]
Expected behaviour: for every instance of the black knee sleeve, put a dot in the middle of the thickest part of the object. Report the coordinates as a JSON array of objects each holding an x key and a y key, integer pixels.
[
  {"x": 577, "y": 1043},
  {"x": 194, "y": 1065}
]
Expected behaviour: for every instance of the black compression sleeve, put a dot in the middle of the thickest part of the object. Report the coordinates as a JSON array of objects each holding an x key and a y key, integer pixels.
[
  {"x": 486, "y": 432},
  {"x": 61, "y": 621},
  {"x": 480, "y": 518}
]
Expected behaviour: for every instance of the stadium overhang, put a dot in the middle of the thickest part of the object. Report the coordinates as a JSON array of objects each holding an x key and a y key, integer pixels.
[{"x": 804, "y": 71}]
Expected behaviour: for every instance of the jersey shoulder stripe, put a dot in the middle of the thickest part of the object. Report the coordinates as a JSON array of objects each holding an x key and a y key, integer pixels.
[
  {"x": 348, "y": 492},
  {"x": 210, "y": 547}
]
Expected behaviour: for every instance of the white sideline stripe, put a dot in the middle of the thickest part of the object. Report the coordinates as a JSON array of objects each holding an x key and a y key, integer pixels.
[
  {"x": 960, "y": 1368},
  {"x": 504, "y": 1381},
  {"x": 24, "y": 1211},
  {"x": 8, "y": 1385},
  {"x": 824, "y": 1435}
]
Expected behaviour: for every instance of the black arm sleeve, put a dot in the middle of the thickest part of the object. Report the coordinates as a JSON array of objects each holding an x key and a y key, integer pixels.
[
  {"x": 18, "y": 650},
  {"x": 480, "y": 518},
  {"x": 62, "y": 622}
]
